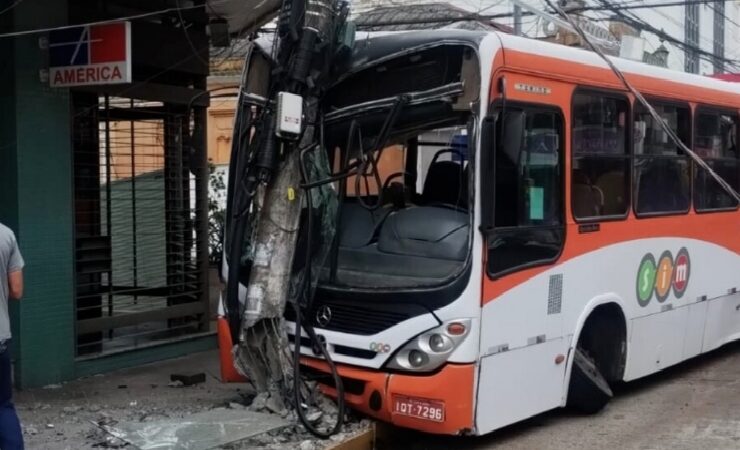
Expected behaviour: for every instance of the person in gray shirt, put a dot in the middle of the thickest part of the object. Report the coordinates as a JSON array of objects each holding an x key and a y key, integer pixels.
[{"x": 11, "y": 287}]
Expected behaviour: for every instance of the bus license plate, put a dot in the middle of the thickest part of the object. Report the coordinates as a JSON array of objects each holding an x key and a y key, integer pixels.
[{"x": 419, "y": 408}]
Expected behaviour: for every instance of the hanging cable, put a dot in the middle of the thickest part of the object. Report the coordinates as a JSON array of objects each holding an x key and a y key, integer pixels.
[{"x": 305, "y": 292}]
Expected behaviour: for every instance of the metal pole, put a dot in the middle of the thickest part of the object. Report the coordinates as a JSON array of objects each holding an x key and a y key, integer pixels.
[
  {"x": 517, "y": 20},
  {"x": 108, "y": 204},
  {"x": 134, "y": 242}
]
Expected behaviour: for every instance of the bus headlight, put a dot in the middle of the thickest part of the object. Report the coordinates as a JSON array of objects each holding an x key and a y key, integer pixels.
[
  {"x": 431, "y": 349},
  {"x": 438, "y": 343}
]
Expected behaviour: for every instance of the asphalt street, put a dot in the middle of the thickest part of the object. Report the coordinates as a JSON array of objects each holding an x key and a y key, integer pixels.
[{"x": 695, "y": 405}]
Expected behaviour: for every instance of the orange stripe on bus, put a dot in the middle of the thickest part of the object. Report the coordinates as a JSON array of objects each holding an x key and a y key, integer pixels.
[{"x": 721, "y": 228}]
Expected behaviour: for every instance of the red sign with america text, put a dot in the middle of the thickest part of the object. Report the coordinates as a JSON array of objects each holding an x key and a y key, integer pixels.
[{"x": 90, "y": 55}]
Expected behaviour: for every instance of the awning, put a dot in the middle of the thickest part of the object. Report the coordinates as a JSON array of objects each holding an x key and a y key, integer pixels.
[{"x": 243, "y": 16}]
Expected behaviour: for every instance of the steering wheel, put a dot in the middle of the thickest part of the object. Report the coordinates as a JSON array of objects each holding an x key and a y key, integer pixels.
[{"x": 393, "y": 176}]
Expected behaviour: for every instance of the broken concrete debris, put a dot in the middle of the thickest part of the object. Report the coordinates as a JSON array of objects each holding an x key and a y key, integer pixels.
[
  {"x": 260, "y": 402},
  {"x": 175, "y": 384},
  {"x": 235, "y": 405},
  {"x": 189, "y": 379},
  {"x": 275, "y": 404},
  {"x": 307, "y": 445},
  {"x": 314, "y": 417}
]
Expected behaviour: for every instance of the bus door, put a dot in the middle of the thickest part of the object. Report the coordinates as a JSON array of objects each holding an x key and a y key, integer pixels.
[{"x": 524, "y": 229}]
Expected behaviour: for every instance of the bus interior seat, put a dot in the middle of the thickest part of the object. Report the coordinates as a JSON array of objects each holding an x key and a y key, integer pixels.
[
  {"x": 415, "y": 243},
  {"x": 359, "y": 226},
  {"x": 426, "y": 232},
  {"x": 587, "y": 199},
  {"x": 661, "y": 188},
  {"x": 446, "y": 182},
  {"x": 611, "y": 185},
  {"x": 396, "y": 196}
]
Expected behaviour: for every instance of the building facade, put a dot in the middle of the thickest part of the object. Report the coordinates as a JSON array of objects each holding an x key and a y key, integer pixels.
[{"x": 105, "y": 186}]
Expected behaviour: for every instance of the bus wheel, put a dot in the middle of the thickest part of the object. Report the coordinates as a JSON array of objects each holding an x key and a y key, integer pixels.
[{"x": 589, "y": 391}]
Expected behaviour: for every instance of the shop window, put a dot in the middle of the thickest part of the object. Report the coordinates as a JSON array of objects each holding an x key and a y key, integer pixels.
[
  {"x": 601, "y": 165},
  {"x": 715, "y": 143},
  {"x": 661, "y": 168}
]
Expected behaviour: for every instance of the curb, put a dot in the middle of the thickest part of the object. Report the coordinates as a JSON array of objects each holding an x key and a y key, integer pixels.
[{"x": 363, "y": 440}]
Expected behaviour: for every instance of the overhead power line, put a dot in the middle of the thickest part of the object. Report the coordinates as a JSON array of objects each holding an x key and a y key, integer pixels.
[
  {"x": 187, "y": 34},
  {"x": 680, "y": 43},
  {"x": 105, "y": 21},
  {"x": 479, "y": 16},
  {"x": 638, "y": 95},
  {"x": 11, "y": 6},
  {"x": 641, "y": 24}
]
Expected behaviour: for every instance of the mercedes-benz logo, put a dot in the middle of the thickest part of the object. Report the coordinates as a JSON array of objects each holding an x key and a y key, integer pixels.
[{"x": 323, "y": 316}]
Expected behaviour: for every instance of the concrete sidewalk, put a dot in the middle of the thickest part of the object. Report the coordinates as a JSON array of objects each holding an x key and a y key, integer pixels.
[{"x": 60, "y": 417}]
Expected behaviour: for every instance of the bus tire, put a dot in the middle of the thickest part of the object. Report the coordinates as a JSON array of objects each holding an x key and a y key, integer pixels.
[{"x": 588, "y": 391}]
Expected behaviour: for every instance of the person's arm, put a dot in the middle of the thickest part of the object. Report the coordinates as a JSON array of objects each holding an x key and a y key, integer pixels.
[
  {"x": 15, "y": 284},
  {"x": 15, "y": 272}
]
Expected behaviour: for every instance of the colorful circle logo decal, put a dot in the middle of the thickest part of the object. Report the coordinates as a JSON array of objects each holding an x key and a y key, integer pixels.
[
  {"x": 664, "y": 277},
  {"x": 660, "y": 278},
  {"x": 646, "y": 279},
  {"x": 681, "y": 273}
]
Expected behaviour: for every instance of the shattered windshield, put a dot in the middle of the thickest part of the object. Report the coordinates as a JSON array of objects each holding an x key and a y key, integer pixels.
[
  {"x": 404, "y": 220},
  {"x": 403, "y": 130},
  {"x": 401, "y": 219}
]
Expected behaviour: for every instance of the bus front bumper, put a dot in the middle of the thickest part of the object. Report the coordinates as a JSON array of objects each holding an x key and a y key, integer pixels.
[{"x": 376, "y": 394}]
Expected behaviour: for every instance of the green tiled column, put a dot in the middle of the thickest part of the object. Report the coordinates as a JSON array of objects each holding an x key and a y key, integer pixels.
[
  {"x": 43, "y": 211},
  {"x": 8, "y": 161}
]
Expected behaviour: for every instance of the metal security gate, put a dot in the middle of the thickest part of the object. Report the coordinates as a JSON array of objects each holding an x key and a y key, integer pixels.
[{"x": 140, "y": 239}]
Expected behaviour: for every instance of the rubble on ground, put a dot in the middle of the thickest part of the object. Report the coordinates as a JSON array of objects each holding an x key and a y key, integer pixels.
[
  {"x": 80, "y": 411},
  {"x": 295, "y": 436}
]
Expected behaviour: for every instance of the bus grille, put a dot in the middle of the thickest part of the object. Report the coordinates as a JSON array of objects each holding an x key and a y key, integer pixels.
[{"x": 356, "y": 319}]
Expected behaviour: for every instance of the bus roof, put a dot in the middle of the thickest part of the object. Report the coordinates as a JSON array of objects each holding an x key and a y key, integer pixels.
[
  {"x": 375, "y": 47},
  {"x": 551, "y": 60},
  {"x": 586, "y": 67}
]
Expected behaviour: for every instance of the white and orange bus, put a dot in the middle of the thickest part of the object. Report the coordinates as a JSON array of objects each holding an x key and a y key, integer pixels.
[{"x": 536, "y": 215}]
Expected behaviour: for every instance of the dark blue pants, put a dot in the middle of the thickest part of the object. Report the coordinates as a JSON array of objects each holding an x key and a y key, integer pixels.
[{"x": 11, "y": 437}]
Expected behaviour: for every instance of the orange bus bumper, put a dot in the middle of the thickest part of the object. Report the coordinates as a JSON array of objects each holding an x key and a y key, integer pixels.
[
  {"x": 228, "y": 371},
  {"x": 372, "y": 391}
]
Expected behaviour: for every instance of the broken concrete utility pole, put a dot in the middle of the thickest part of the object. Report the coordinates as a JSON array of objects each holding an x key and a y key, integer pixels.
[{"x": 305, "y": 45}]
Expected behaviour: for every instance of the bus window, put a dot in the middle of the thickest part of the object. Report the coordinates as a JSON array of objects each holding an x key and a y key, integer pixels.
[
  {"x": 716, "y": 143},
  {"x": 528, "y": 210},
  {"x": 661, "y": 168},
  {"x": 601, "y": 165}
]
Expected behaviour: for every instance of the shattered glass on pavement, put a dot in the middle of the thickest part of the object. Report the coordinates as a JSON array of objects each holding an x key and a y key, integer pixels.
[{"x": 201, "y": 431}]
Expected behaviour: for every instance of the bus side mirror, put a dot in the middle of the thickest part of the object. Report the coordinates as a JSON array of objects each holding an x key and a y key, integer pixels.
[{"x": 487, "y": 169}]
